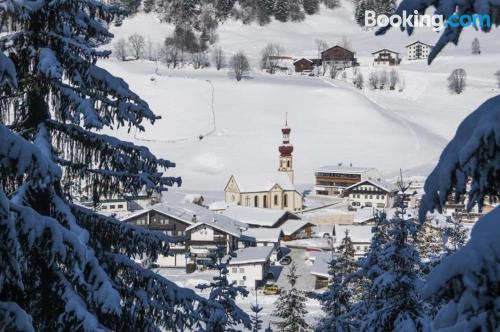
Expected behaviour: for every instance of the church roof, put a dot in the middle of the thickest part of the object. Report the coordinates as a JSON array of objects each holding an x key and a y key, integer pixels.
[{"x": 263, "y": 182}]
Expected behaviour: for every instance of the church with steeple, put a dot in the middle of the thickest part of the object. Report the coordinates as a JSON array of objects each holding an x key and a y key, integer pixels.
[{"x": 269, "y": 191}]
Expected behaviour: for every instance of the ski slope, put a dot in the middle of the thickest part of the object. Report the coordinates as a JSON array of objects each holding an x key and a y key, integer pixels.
[{"x": 331, "y": 121}]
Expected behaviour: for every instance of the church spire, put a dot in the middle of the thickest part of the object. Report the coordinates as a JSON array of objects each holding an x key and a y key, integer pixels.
[{"x": 286, "y": 149}]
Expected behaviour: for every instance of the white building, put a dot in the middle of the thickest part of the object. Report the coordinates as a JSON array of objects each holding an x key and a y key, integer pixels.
[
  {"x": 418, "y": 50},
  {"x": 361, "y": 237},
  {"x": 274, "y": 191},
  {"x": 250, "y": 266},
  {"x": 385, "y": 57},
  {"x": 332, "y": 180},
  {"x": 263, "y": 237},
  {"x": 369, "y": 193},
  {"x": 320, "y": 268}
]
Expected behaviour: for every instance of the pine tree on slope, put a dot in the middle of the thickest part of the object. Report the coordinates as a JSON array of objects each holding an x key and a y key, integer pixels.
[
  {"x": 290, "y": 306},
  {"x": 336, "y": 301},
  {"x": 256, "y": 320},
  {"x": 225, "y": 293},
  {"x": 64, "y": 267}
]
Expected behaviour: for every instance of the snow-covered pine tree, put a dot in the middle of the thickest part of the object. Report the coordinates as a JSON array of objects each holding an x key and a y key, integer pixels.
[
  {"x": 311, "y": 6},
  {"x": 337, "y": 300},
  {"x": 392, "y": 270},
  {"x": 225, "y": 293},
  {"x": 282, "y": 10},
  {"x": 256, "y": 320},
  {"x": 64, "y": 267},
  {"x": 290, "y": 306},
  {"x": 455, "y": 235}
]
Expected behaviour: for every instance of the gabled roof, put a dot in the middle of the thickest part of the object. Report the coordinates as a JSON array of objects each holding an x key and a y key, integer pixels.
[
  {"x": 385, "y": 49},
  {"x": 251, "y": 255},
  {"x": 262, "y": 182},
  {"x": 309, "y": 60},
  {"x": 263, "y": 234},
  {"x": 221, "y": 225},
  {"x": 419, "y": 42},
  {"x": 320, "y": 266},
  {"x": 337, "y": 47},
  {"x": 291, "y": 226},
  {"x": 255, "y": 216},
  {"x": 379, "y": 184}
]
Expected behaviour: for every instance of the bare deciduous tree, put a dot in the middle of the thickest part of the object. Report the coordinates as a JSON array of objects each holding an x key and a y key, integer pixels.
[
  {"x": 240, "y": 65},
  {"x": 383, "y": 79},
  {"x": 321, "y": 46},
  {"x": 271, "y": 57},
  {"x": 374, "y": 80},
  {"x": 199, "y": 59},
  {"x": 218, "y": 58},
  {"x": 358, "y": 80},
  {"x": 136, "y": 43},
  {"x": 476, "y": 47},
  {"x": 333, "y": 70},
  {"x": 393, "y": 79},
  {"x": 120, "y": 48},
  {"x": 457, "y": 81},
  {"x": 171, "y": 55}
]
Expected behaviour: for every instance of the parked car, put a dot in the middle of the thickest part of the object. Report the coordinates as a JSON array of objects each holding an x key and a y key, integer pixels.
[
  {"x": 286, "y": 260},
  {"x": 271, "y": 290}
]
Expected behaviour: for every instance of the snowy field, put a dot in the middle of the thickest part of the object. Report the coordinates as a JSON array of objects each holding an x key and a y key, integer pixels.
[{"x": 331, "y": 121}]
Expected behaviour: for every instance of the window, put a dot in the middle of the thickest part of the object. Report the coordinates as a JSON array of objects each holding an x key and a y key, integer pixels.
[
  {"x": 285, "y": 200},
  {"x": 275, "y": 199},
  {"x": 111, "y": 206},
  {"x": 234, "y": 270},
  {"x": 368, "y": 204},
  {"x": 104, "y": 207},
  {"x": 242, "y": 270},
  {"x": 256, "y": 201},
  {"x": 288, "y": 163},
  {"x": 371, "y": 196},
  {"x": 265, "y": 201},
  {"x": 120, "y": 206}
]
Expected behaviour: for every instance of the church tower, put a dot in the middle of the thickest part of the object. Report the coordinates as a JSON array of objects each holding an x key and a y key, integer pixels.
[{"x": 286, "y": 149}]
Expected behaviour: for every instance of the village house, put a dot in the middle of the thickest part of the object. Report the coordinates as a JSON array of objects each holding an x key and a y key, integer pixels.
[
  {"x": 171, "y": 221},
  {"x": 332, "y": 180},
  {"x": 418, "y": 50},
  {"x": 291, "y": 225},
  {"x": 275, "y": 191},
  {"x": 263, "y": 237},
  {"x": 361, "y": 237},
  {"x": 303, "y": 65},
  {"x": 208, "y": 236},
  {"x": 385, "y": 57},
  {"x": 320, "y": 268},
  {"x": 339, "y": 57},
  {"x": 369, "y": 193},
  {"x": 250, "y": 266}
]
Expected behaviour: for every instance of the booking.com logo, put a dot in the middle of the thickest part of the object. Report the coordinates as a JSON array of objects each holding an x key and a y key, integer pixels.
[{"x": 437, "y": 22}]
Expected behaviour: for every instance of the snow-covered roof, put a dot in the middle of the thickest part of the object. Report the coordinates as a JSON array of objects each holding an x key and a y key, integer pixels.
[
  {"x": 193, "y": 198},
  {"x": 187, "y": 212},
  {"x": 297, "y": 60},
  {"x": 320, "y": 266},
  {"x": 357, "y": 233},
  {"x": 219, "y": 205},
  {"x": 385, "y": 49},
  {"x": 363, "y": 215},
  {"x": 222, "y": 225},
  {"x": 263, "y": 182},
  {"x": 418, "y": 42},
  {"x": 380, "y": 184},
  {"x": 345, "y": 169},
  {"x": 291, "y": 226},
  {"x": 251, "y": 255},
  {"x": 255, "y": 216},
  {"x": 263, "y": 234}
]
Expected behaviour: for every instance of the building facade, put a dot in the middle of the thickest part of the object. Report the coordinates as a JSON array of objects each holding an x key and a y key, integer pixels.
[
  {"x": 386, "y": 57},
  {"x": 368, "y": 194},
  {"x": 338, "y": 57},
  {"x": 303, "y": 65},
  {"x": 332, "y": 180},
  {"x": 418, "y": 50},
  {"x": 250, "y": 266}
]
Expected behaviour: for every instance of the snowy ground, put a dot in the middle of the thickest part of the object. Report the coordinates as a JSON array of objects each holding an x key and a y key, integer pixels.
[
  {"x": 305, "y": 282},
  {"x": 331, "y": 122}
]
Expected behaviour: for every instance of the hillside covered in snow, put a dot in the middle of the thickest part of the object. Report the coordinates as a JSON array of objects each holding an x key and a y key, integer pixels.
[{"x": 331, "y": 121}]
